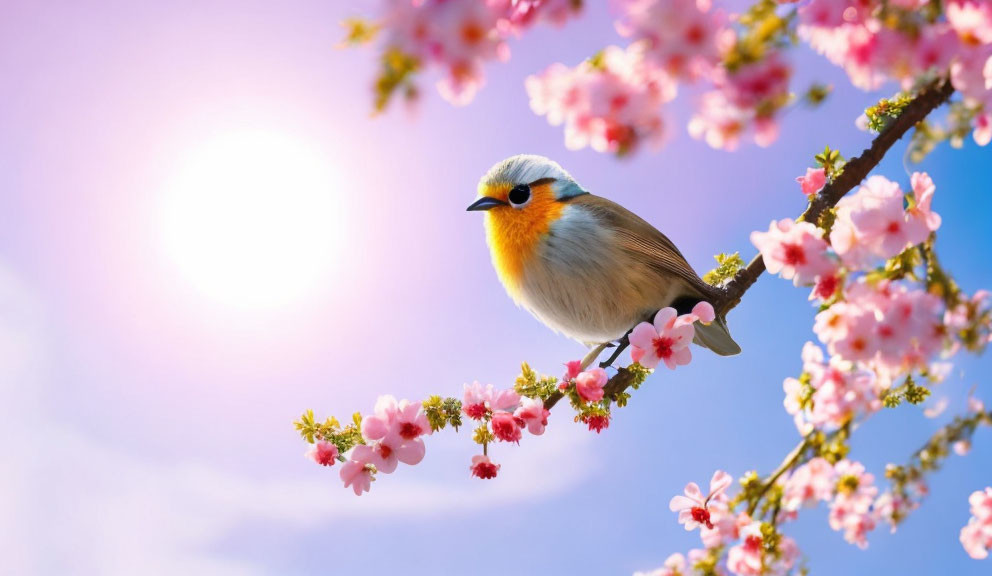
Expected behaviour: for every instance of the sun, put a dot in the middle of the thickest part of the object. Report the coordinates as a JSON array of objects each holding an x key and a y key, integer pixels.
[{"x": 253, "y": 219}]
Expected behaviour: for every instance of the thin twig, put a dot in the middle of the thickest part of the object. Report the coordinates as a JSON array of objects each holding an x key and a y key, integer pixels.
[{"x": 790, "y": 460}]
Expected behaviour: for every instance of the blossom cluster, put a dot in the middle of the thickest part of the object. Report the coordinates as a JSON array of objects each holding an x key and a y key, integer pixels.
[
  {"x": 393, "y": 434},
  {"x": 976, "y": 536},
  {"x": 614, "y": 101},
  {"x": 737, "y": 542},
  {"x": 452, "y": 37},
  {"x": 906, "y": 41},
  {"x": 611, "y": 102},
  {"x": 503, "y": 415},
  {"x": 878, "y": 320}
]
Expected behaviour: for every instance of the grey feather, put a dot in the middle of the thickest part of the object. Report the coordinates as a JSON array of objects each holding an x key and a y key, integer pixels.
[{"x": 717, "y": 338}]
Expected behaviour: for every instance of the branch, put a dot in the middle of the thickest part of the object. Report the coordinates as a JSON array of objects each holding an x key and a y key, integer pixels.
[
  {"x": 787, "y": 464},
  {"x": 855, "y": 170}
]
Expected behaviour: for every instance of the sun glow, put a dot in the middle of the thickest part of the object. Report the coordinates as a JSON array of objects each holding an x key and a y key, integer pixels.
[{"x": 253, "y": 219}]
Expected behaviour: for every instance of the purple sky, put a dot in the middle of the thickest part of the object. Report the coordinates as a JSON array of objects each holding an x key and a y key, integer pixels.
[{"x": 149, "y": 426}]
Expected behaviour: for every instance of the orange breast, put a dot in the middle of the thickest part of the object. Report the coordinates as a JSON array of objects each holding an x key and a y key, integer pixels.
[{"x": 515, "y": 235}]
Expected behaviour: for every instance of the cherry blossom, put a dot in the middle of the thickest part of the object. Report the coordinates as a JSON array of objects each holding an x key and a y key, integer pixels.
[
  {"x": 809, "y": 484},
  {"x": 483, "y": 467},
  {"x": 596, "y": 422},
  {"x": 533, "y": 414},
  {"x": 840, "y": 392},
  {"x": 479, "y": 400},
  {"x": 356, "y": 472},
  {"x": 851, "y": 509},
  {"x": 873, "y": 221},
  {"x": 505, "y": 427},
  {"x": 393, "y": 433},
  {"x": 745, "y": 558},
  {"x": 976, "y": 536},
  {"x": 323, "y": 453},
  {"x": 667, "y": 340},
  {"x": 887, "y": 325},
  {"x": 589, "y": 384},
  {"x": 693, "y": 507},
  {"x": 744, "y": 98},
  {"x": 971, "y": 20},
  {"x": 611, "y": 102},
  {"x": 572, "y": 369},
  {"x": 458, "y": 38},
  {"x": 725, "y": 526},
  {"x": 685, "y": 37},
  {"x": 814, "y": 179},
  {"x": 794, "y": 250}
]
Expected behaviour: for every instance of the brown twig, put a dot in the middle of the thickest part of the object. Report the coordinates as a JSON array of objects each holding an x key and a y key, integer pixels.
[{"x": 855, "y": 170}]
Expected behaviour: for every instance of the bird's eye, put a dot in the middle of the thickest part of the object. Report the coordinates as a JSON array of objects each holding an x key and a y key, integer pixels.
[{"x": 519, "y": 195}]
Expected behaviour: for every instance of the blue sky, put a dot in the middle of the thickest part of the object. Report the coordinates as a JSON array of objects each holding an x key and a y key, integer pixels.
[{"x": 147, "y": 427}]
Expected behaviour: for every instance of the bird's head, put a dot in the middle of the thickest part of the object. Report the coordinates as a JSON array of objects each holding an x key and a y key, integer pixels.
[{"x": 522, "y": 197}]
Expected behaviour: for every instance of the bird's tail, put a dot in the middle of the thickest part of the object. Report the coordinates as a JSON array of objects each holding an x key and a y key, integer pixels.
[{"x": 716, "y": 336}]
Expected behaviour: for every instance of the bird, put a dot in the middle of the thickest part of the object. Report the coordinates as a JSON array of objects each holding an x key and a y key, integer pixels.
[{"x": 581, "y": 264}]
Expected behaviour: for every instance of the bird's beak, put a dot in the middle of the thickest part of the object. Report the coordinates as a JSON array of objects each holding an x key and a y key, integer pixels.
[{"x": 486, "y": 203}]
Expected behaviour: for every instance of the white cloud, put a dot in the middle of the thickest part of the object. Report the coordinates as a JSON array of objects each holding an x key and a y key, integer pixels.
[{"x": 73, "y": 504}]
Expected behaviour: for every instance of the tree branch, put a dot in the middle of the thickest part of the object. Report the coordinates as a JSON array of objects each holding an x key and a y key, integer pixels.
[{"x": 855, "y": 170}]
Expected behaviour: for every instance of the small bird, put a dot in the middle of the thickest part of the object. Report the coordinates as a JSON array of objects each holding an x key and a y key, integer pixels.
[{"x": 581, "y": 264}]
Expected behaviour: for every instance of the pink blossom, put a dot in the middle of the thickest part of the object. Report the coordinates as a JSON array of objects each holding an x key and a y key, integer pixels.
[
  {"x": 969, "y": 75},
  {"x": 976, "y": 536},
  {"x": 685, "y": 37},
  {"x": 976, "y": 539},
  {"x": 523, "y": 13},
  {"x": 483, "y": 467},
  {"x": 533, "y": 414},
  {"x": 851, "y": 509},
  {"x": 885, "y": 325},
  {"x": 356, "y": 471},
  {"x": 596, "y": 422},
  {"x": 849, "y": 35},
  {"x": 892, "y": 508},
  {"x": 971, "y": 19},
  {"x": 981, "y": 505},
  {"x": 589, "y": 384},
  {"x": 572, "y": 369},
  {"x": 813, "y": 181},
  {"x": 809, "y": 484},
  {"x": 667, "y": 340},
  {"x": 693, "y": 507},
  {"x": 961, "y": 447},
  {"x": 478, "y": 400},
  {"x": 725, "y": 528},
  {"x": 745, "y": 559},
  {"x": 702, "y": 312},
  {"x": 323, "y": 453},
  {"x": 874, "y": 219},
  {"x": 612, "y": 103},
  {"x": 795, "y": 250},
  {"x": 505, "y": 427},
  {"x": 983, "y": 121},
  {"x": 826, "y": 287},
  {"x": 393, "y": 433},
  {"x": 921, "y": 214}
]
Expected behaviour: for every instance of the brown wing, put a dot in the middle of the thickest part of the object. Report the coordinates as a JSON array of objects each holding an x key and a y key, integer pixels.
[{"x": 644, "y": 242}]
